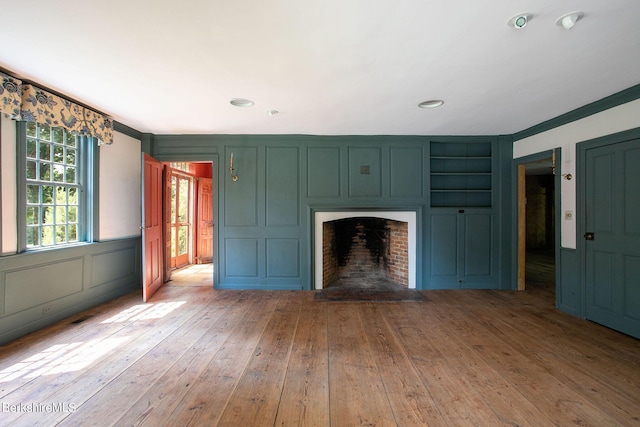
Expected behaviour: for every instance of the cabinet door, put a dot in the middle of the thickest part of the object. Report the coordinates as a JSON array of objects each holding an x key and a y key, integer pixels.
[
  {"x": 462, "y": 250},
  {"x": 476, "y": 266}
]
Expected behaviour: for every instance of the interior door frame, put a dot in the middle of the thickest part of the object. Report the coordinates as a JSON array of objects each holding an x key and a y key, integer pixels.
[
  {"x": 519, "y": 222},
  {"x": 217, "y": 177},
  {"x": 581, "y": 196}
]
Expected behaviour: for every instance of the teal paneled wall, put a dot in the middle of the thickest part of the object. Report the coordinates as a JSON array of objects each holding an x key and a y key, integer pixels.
[
  {"x": 264, "y": 220},
  {"x": 365, "y": 172},
  {"x": 406, "y": 172},
  {"x": 282, "y": 186},
  {"x": 40, "y": 288},
  {"x": 323, "y": 176}
]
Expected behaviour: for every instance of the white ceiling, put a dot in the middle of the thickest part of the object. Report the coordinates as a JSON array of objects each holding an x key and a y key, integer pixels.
[{"x": 329, "y": 67}]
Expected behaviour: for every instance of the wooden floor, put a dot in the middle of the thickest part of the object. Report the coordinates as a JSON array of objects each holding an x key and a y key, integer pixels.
[{"x": 203, "y": 357}]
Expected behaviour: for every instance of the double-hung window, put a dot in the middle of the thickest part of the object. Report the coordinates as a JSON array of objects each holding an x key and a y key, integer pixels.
[{"x": 55, "y": 186}]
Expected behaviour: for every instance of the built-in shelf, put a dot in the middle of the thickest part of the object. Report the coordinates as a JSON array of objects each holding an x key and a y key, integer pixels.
[{"x": 461, "y": 174}]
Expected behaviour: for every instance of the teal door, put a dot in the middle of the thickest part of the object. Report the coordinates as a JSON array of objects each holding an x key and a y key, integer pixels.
[{"x": 612, "y": 262}]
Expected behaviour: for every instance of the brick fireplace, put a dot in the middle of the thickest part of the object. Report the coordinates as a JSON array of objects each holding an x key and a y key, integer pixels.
[{"x": 365, "y": 245}]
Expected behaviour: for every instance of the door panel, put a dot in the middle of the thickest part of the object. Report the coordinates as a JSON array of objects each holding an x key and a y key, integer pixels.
[
  {"x": 612, "y": 272},
  {"x": 152, "y": 254},
  {"x": 205, "y": 221}
]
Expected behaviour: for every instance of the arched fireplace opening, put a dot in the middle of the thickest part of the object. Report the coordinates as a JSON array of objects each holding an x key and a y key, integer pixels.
[
  {"x": 365, "y": 252},
  {"x": 365, "y": 249}
]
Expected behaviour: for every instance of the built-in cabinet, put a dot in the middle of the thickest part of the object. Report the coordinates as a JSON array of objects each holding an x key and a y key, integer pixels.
[
  {"x": 463, "y": 244},
  {"x": 461, "y": 174}
]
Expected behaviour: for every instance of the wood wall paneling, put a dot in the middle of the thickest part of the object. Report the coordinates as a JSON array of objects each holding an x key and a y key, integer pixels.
[
  {"x": 241, "y": 196},
  {"x": 365, "y": 172},
  {"x": 406, "y": 172},
  {"x": 282, "y": 186},
  {"x": 103, "y": 273},
  {"x": 241, "y": 257},
  {"x": 283, "y": 258},
  {"x": 38, "y": 284},
  {"x": 323, "y": 172},
  {"x": 444, "y": 245}
]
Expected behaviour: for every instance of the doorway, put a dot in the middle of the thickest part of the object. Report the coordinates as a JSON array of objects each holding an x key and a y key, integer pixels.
[
  {"x": 188, "y": 207},
  {"x": 537, "y": 227}
]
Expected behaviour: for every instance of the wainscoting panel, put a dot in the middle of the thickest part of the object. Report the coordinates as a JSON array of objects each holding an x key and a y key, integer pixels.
[
  {"x": 38, "y": 284},
  {"x": 40, "y": 288},
  {"x": 283, "y": 258},
  {"x": 241, "y": 257},
  {"x": 103, "y": 273}
]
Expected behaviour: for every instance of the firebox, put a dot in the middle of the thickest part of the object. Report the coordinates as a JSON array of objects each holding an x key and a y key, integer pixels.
[{"x": 365, "y": 245}]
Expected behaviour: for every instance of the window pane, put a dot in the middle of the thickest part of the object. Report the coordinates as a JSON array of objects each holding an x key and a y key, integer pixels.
[
  {"x": 31, "y": 129},
  {"x": 61, "y": 234},
  {"x": 58, "y": 135},
  {"x": 33, "y": 215},
  {"x": 70, "y": 175},
  {"x": 33, "y": 194},
  {"x": 33, "y": 234},
  {"x": 72, "y": 230},
  {"x": 71, "y": 156},
  {"x": 32, "y": 148},
  {"x": 173, "y": 242},
  {"x": 44, "y": 132},
  {"x": 45, "y": 151},
  {"x": 72, "y": 211},
  {"x": 61, "y": 196},
  {"x": 71, "y": 140},
  {"x": 47, "y": 215},
  {"x": 47, "y": 194},
  {"x": 58, "y": 173},
  {"x": 73, "y": 196},
  {"x": 45, "y": 172},
  {"x": 32, "y": 170},
  {"x": 61, "y": 215},
  {"x": 183, "y": 207},
  {"x": 58, "y": 154},
  {"x": 182, "y": 240},
  {"x": 47, "y": 236}
]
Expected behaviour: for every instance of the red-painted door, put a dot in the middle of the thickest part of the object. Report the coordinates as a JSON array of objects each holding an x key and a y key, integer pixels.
[
  {"x": 205, "y": 221},
  {"x": 152, "y": 253}
]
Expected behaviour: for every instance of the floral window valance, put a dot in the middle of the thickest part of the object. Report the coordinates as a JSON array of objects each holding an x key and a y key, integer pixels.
[
  {"x": 43, "y": 107},
  {"x": 10, "y": 96},
  {"x": 24, "y": 101}
]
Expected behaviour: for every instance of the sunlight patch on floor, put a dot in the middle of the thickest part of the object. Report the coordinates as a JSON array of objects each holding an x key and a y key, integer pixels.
[
  {"x": 145, "y": 311},
  {"x": 62, "y": 358}
]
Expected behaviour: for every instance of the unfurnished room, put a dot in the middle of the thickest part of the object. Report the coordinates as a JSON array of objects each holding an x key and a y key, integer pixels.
[{"x": 281, "y": 213}]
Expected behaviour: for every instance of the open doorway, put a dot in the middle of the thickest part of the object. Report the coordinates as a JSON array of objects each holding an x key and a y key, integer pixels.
[
  {"x": 537, "y": 227},
  {"x": 188, "y": 208}
]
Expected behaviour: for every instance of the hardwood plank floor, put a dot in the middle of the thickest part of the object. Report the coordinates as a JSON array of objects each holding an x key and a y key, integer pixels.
[{"x": 198, "y": 356}]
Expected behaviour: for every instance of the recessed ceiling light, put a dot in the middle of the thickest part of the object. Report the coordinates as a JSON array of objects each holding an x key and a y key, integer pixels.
[
  {"x": 569, "y": 20},
  {"x": 520, "y": 20},
  {"x": 272, "y": 112},
  {"x": 241, "y": 102},
  {"x": 433, "y": 103}
]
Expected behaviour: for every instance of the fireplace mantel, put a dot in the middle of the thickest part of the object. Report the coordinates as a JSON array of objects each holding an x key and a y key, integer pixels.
[{"x": 320, "y": 217}]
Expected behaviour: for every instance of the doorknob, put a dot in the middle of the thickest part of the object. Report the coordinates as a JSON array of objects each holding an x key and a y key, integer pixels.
[{"x": 589, "y": 236}]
